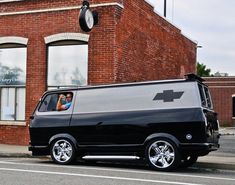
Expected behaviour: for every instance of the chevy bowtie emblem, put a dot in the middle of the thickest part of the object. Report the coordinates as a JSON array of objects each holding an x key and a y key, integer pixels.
[{"x": 168, "y": 95}]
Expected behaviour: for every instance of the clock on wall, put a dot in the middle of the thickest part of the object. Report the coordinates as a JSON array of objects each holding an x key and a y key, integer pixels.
[{"x": 87, "y": 18}]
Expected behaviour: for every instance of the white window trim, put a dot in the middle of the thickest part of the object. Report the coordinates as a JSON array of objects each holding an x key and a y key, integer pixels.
[
  {"x": 14, "y": 39},
  {"x": 6, "y": 1},
  {"x": 13, "y": 123},
  {"x": 66, "y": 36},
  {"x": 60, "y": 9}
]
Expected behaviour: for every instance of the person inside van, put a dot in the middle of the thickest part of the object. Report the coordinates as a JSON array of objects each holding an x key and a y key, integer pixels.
[{"x": 64, "y": 102}]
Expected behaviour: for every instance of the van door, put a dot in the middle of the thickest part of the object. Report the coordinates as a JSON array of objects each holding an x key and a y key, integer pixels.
[
  {"x": 212, "y": 126},
  {"x": 48, "y": 121}
]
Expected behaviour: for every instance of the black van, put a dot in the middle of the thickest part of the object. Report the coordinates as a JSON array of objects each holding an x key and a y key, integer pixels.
[{"x": 168, "y": 123}]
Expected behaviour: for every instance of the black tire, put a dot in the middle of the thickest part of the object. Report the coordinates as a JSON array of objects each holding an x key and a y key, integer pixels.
[
  {"x": 188, "y": 161},
  {"x": 63, "y": 151},
  {"x": 162, "y": 154}
]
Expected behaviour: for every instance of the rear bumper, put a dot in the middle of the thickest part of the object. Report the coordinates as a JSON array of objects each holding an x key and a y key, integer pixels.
[{"x": 199, "y": 149}]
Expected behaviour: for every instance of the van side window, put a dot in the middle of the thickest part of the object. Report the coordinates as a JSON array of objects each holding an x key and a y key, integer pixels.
[
  {"x": 202, "y": 95},
  {"x": 208, "y": 97},
  {"x": 56, "y": 102}
]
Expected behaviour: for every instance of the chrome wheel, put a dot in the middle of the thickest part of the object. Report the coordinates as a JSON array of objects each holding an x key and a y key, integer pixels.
[
  {"x": 161, "y": 154},
  {"x": 62, "y": 151}
]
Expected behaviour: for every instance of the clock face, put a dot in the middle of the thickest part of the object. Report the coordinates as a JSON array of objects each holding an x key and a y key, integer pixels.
[{"x": 89, "y": 19}]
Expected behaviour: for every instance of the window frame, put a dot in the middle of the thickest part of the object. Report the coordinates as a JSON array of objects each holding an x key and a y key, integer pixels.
[
  {"x": 65, "y": 112},
  {"x": 233, "y": 106},
  {"x": 66, "y": 43},
  {"x": 55, "y": 93},
  {"x": 15, "y": 87},
  {"x": 15, "y": 102}
]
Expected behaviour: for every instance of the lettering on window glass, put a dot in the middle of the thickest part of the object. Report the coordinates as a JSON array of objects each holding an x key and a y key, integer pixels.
[{"x": 13, "y": 66}]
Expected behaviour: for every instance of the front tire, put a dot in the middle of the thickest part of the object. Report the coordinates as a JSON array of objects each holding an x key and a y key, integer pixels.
[
  {"x": 62, "y": 151},
  {"x": 162, "y": 154}
]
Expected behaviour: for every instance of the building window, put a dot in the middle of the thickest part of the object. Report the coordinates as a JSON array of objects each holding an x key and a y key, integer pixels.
[
  {"x": 233, "y": 99},
  {"x": 12, "y": 82},
  {"x": 67, "y": 64}
]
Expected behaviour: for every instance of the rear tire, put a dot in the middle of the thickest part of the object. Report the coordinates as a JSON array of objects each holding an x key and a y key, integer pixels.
[
  {"x": 162, "y": 154},
  {"x": 63, "y": 151}
]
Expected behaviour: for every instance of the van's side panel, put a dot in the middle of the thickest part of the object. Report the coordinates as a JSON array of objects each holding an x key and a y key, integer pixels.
[
  {"x": 128, "y": 115},
  {"x": 133, "y": 127}
]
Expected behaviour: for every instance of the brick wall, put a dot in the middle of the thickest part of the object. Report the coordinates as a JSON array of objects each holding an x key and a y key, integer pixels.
[
  {"x": 148, "y": 47},
  {"x": 130, "y": 44},
  {"x": 222, "y": 89}
]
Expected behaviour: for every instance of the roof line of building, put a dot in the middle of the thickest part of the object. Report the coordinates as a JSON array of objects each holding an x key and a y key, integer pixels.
[
  {"x": 59, "y": 9},
  {"x": 221, "y": 82},
  {"x": 170, "y": 22},
  {"x": 221, "y": 86}
]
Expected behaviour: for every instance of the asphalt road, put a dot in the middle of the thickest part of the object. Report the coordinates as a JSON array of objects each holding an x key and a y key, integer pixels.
[
  {"x": 43, "y": 171},
  {"x": 227, "y": 146}
]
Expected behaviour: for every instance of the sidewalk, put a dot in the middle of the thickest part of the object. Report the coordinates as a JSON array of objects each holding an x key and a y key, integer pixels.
[
  {"x": 227, "y": 131},
  {"x": 14, "y": 151}
]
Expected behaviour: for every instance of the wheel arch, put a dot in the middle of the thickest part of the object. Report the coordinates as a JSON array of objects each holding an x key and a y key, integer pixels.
[
  {"x": 162, "y": 135},
  {"x": 64, "y": 135}
]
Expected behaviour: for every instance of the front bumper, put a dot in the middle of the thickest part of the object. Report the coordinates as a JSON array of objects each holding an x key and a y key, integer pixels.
[{"x": 39, "y": 150}]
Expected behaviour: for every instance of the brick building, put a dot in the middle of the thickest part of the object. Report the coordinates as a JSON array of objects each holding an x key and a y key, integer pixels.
[
  {"x": 43, "y": 47},
  {"x": 223, "y": 95}
]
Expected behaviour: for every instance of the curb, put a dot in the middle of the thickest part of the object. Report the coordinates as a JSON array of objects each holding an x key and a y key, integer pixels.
[
  {"x": 214, "y": 166},
  {"x": 15, "y": 155}
]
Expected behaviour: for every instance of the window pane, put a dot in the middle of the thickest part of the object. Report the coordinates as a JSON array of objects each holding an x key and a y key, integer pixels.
[
  {"x": 202, "y": 95},
  {"x": 234, "y": 106},
  {"x": 208, "y": 97},
  {"x": 20, "y": 104},
  {"x": 67, "y": 65},
  {"x": 53, "y": 102},
  {"x": 13, "y": 66},
  {"x": 49, "y": 103},
  {"x": 8, "y": 104}
]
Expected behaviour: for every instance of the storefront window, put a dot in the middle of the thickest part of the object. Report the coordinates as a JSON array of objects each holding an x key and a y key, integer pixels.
[
  {"x": 67, "y": 65},
  {"x": 12, "y": 83}
]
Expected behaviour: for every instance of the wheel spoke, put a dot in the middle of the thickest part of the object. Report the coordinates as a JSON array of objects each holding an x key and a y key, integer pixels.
[
  {"x": 155, "y": 159},
  {"x": 166, "y": 147},
  {"x": 164, "y": 162},
  {"x": 156, "y": 149}
]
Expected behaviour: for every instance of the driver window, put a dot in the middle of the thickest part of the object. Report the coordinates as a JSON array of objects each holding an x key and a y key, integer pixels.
[{"x": 56, "y": 102}]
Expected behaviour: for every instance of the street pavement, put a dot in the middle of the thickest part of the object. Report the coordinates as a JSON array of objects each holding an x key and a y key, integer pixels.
[{"x": 21, "y": 171}]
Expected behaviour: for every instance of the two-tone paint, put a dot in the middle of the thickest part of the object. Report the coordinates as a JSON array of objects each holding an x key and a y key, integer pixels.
[{"x": 121, "y": 119}]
